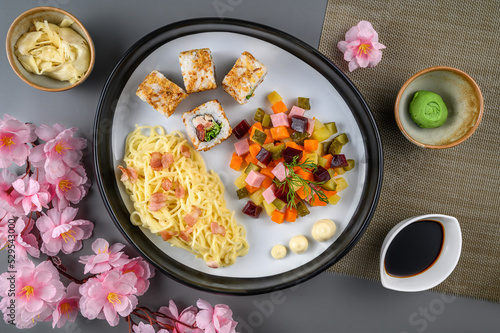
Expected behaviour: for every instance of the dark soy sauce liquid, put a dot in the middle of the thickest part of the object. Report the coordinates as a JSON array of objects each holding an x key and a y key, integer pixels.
[{"x": 414, "y": 249}]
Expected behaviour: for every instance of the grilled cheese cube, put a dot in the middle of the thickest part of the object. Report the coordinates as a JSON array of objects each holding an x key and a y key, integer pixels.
[
  {"x": 198, "y": 70},
  {"x": 161, "y": 93},
  {"x": 246, "y": 74}
]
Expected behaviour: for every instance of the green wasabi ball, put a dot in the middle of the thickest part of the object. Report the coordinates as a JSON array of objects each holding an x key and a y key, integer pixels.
[{"x": 428, "y": 110}]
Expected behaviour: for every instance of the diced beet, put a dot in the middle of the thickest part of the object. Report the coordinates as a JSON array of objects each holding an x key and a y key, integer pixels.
[
  {"x": 282, "y": 193},
  {"x": 241, "y": 129},
  {"x": 252, "y": 210},
  {"x": 289, "y": 153},
  {"x": 321, "y": 174},
  {"x": 264, "y": 156},
  {"x": 339, "y": 161},
  {"x": 299, "y": 124}
]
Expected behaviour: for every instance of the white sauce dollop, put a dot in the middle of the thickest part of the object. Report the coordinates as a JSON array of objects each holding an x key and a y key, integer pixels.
[
  {"x": 298, "y": 244},
  {"x": 278, "y": 251},
  {"x": 323, "y": 230}
]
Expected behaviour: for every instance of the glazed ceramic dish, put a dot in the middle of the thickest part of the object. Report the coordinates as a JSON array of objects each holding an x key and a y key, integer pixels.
[
  {"x": 295, "y": 69},
  {"x": 442, "y": 267},
  {"x": 462, "y": 97},
  {"x": 22, "y": 24}
]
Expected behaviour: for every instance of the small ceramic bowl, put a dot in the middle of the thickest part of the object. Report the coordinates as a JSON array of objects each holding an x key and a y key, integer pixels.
[
  {"x": 439, "y": 270},
  {"x": 462, "y": 97},
  {"x": 22, "y": 24}
]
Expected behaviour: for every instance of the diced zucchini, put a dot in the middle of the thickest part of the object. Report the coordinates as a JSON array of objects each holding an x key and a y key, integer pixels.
[
  {"x": 312, "y": 158},
  {"x": 242, "y": 193},
  {"x": 321, "y": 133},
  {"x": 334, "y": 199},
  {"x": 259, "y": 115},
  {"x": 266, "y": 121},
  {"x": 257, "y": 197},
  {"x": 259, "y": 137},
  {"x": 274, "y": 97},
  {"x": 322, "y": 162},
  {"x": 341, "y": 138},
  {"x": 332, "y": 127},
  {"x": 251, "y": 167},
  {"x": 240, "y": 181},
  {"x": 350, "y": 165},
  {"x": 337, "y": 143},
  {"x": 330, "y": 185},
  {"x": 298, "y": 137},
  {"x": 302, "y": 209},
  {"x": 268, "y": 146},
  {"x": 341, "y": 184},
  {"x": 303, "y": 103},
  {"x": 279, "y": 204},
  {"x": 276, "y": 151},
  {"x": 269, "y": 208}
]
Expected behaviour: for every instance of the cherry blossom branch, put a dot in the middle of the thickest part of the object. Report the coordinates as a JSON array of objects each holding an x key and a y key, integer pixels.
[{"x": 62, "y": 270}]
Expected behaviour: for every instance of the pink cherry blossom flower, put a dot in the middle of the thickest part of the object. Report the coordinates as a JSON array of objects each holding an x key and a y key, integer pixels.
[
  {"x": 106, "y": 257},
  {"x": 37, "y": 291},
  {"x": 108, "y": 296},
  {"x": 70, "y": 187},
  {"x": 14, "y": 136},
  {"x": 25, "y": 243},
  {"x": 142, "y": 270},
  {"x": 187, "y": 316},
  {"x": 67, "y": 308},
  {"x": 146, "y": 328},
  {"x": 5, "y": 217},
  {"x": 59, "y": 154},
  {"x": 60, "y": 231},
  {"x": 33, "y": 195},
  {"x": 361, "y": 47},
  {"x": 8, "y": 195},
  {"x": 215, "y": 319}
]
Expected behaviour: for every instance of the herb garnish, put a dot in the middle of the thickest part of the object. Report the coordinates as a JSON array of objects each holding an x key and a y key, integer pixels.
[
  {"x": 212, "y": 132},
  {"x": 294, "y": 181}
]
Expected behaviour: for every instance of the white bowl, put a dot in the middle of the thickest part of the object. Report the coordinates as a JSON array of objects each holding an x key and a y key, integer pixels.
[{"x": 440, "y": 270}]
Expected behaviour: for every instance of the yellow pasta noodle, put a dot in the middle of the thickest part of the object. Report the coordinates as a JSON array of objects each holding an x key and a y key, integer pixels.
[{"x": 203, "y": 190}]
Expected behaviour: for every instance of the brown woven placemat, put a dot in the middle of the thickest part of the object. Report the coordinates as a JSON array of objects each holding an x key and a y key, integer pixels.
[{"x": 463, "y": 181}]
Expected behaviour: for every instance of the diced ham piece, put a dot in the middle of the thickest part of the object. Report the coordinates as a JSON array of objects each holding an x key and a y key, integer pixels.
[
  {"x": 166, "y": 234},
  {"x": 167, "y": 159},
  {"x": 180, "y": 192},
  {"x": 310, "y": 126},
  {"x": 242, "y": 147},
  {"x": 185, "y": 151},
  {"x": 280, "y": 171},
  {"x": 185, "y": 233},
  {"x": 157, "y": 201},
  {"x": 268, "y": 194},
  {"x": 155, "y": 161},
  {"x": 217, "y": 229},
  {"x": 166, "y": 184},
  {"x": 280, "y": 119},
  {"x": 255, "y": 178},
  {"x": 128, "y": 174},
  {"x": 212, "y": 264},
  {"x": 192, "y": 217},
  {"x": 296, "y": 111}
]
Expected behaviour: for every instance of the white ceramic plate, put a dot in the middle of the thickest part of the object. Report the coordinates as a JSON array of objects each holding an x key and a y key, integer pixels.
[{"x": 291, "y": 76}]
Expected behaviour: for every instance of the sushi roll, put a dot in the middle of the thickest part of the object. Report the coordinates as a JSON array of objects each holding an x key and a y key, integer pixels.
[
  {"x": 161, "y": 93},
  {"x": 246, "y": 74},
  {"x": 207, "y": 125},
  {"x": 198, "y": 70}
]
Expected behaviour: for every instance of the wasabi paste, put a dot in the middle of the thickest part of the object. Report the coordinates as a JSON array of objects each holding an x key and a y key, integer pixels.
[{"x": 428, "y": 110}]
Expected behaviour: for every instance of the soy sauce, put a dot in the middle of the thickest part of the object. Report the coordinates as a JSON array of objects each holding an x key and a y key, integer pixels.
[{"x": 414, "y": 249}]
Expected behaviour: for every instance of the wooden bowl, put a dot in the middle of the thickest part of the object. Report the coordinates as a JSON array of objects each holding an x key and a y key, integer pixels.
[
  {"x": 463, "y": 99},
  {"x": 22, "y": 24}
]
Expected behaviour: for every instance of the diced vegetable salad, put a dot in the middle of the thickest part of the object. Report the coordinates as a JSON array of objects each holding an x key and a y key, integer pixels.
[{"x": 288, "y": 162}]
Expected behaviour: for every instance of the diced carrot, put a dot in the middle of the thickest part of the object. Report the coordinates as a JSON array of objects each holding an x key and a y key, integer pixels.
[
  {"x": 251, "y": 189},
  {"x": 316, "y": 202},
  {"x": 279, "y": 107},
  {"x": 257, "y": 125},
  {"x": 269, "y": 138},
  {"x": 278, "y": 216},
  {"x": 302, "y": 193},
  {"x": 328, "y": 158},
  {"x": 294, "y": 145},
  {"x": 329, "y": 193},
  {"x": 290, "y": 214},
  {"x": 281, "y": 159},
  {"x": 267, "y": 171},
  {"x": 250, "y": 159},
  {"x": 254, "y": 149},
  {"x": 306, "y": 175},
  {"x": 279, "y": 133},
  {"x": 266, "y": 182},
  {"x": 311, "y": 145},
  {"x": 236, "y": 162}
]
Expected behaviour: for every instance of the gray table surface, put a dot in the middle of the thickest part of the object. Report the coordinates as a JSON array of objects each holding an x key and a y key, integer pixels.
[{"x": 327, "y": 303}]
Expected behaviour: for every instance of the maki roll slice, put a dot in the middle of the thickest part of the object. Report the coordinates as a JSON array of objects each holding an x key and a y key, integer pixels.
[
  {"x": 198, "y": 70},
  {"x": 207, "y": 125},
  {"x": 242, "y": 80}
]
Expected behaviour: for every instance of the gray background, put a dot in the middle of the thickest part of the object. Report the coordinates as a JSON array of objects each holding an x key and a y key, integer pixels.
[{"x": 327, "y": 303}]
